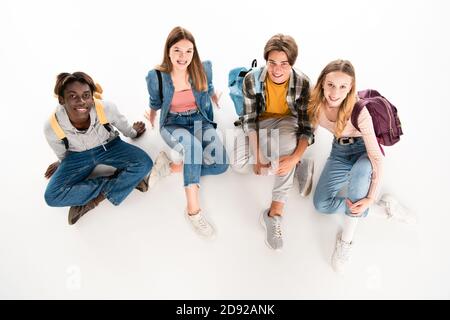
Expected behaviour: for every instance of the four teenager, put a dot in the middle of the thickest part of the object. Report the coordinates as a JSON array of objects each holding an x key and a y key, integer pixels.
[{"x": 280, "y": 115}]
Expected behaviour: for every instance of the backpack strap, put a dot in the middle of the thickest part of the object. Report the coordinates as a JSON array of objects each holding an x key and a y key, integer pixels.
[
  {"x": 259, "y": 99},
  {"x": 58, "y": 130},
  {"x": 359, "y": 105},
  {"x": 98, "y": 91},
  {"x": 158, "y": 73},
  {"x": 99, "y": 109},
  {"x": 258, "y": 93}
]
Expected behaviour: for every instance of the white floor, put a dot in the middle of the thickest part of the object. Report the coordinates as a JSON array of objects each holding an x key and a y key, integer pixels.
[{"x": 145, "y": 249}]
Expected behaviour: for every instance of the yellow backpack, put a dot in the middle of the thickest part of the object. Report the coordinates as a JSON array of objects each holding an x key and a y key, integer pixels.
[{"x": 99, "y": 109}]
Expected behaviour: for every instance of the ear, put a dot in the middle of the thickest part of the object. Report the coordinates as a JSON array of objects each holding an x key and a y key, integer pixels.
[{"x": 61, "y": 100}]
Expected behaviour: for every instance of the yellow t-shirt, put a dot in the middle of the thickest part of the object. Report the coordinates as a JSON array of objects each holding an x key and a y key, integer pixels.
[{"x": 276, "y": 104}]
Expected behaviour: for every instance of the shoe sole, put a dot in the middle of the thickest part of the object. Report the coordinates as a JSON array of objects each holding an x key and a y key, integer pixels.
[
  {"x": 263, "y": 224},
  {"x": 72, "y": 219},
  {"x": 306, "y": 192}
]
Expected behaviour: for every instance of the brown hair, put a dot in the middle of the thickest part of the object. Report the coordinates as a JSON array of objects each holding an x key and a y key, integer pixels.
[
  {"x": 285, "y": 43},
  {"x": 65, "y": 78},
  {"x": 195, "y": 68},
  {"x": 317, "y": 97}
]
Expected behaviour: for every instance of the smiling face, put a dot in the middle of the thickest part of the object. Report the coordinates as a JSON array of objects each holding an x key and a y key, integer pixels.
[
  {"x": 181, "y": 54},
  {"x": 77, "y": 100},
  {"x": 336, "y": 87},
  {"x": 278, "y": 66}
]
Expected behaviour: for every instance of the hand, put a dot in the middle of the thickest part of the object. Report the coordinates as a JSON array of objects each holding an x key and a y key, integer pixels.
[
  {"x": 360, "y": 206},
  {"x": 258, "y": 166},
  {"x": 51, "y": 169},
  {"x": 150, "y": 116},
  {"x": 215, "y": 98},
  {"x": 285, "y": 165},
  {"x": 139, "y": 126}
]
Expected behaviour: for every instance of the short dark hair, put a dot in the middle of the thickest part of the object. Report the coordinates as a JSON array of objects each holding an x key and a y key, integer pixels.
[{"x": 65, "y": 78}]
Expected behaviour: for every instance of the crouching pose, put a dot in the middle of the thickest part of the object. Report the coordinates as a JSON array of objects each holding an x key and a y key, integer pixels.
[
  {"x": 276, "y": 129},
  {"x": 181, "y": 87},
  {"x": 350, "y": 180}
]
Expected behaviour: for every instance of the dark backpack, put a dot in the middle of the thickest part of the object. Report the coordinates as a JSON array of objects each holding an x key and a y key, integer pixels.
[{"x": 386, "y": 122}]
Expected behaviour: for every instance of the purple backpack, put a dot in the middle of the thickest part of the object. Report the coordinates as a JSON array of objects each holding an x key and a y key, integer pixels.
[{"x": 386, "y": 122}]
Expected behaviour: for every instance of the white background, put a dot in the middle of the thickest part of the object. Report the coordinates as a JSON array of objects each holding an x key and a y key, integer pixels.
[{"x": 144, "y": 249}]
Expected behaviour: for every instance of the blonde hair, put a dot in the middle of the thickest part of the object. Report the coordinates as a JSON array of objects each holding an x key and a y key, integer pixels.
[
  {"x": 195, "y": 68},
  {"x": 317, "y": 98}
]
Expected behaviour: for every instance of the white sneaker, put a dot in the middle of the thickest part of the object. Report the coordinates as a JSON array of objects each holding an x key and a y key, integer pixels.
[
  {"x": 201, "y": 225},
  {"x": 161, "y": 168},
  {"x": 395, "y": 210},
  {"x": 341, "y": 255}
]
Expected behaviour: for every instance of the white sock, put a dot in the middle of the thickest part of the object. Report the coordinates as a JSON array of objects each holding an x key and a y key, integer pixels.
[{"x": 349, "y": 228}]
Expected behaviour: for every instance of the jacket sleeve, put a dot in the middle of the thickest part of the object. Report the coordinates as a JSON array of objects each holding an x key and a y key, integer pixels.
[
  {"x": 305, "y": 129},
  {"x": 118, "y": 120},
  {"x": 153, "y": 90},
  {"x": 207, "y": 66},
  {"x": 56, "y": 144},
  {"x": 249, "y": 112}
]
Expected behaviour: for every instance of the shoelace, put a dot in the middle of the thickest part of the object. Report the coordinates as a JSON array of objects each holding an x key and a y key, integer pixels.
[
  {"x": 276, "y": 229},
  {"x": 343, "y": 251},
  {"x": 202, "y": 222}
]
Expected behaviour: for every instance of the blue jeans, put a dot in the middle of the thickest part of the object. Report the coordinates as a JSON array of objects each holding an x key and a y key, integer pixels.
[
  {"x": 70, "y": 186},
  {"x": 195, "y": 138},
  {"x": 347, "y": 165}
]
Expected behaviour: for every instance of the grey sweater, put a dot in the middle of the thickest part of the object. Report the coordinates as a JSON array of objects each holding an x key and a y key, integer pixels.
[{"x": 94, "y": 136}]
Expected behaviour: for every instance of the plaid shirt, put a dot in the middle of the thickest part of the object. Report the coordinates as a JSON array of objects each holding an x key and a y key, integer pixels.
[{"x": 297, "y": 100}]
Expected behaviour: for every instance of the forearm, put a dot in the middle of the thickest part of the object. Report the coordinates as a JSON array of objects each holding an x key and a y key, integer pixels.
[
  {"x": 302, "y": 144},
  {"x": 253, "y": 140}
]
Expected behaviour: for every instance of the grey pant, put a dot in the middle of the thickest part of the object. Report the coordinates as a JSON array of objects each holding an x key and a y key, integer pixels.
[{"x": 277, "y": 137}]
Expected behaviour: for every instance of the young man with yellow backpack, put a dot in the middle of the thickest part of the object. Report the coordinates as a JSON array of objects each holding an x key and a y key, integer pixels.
[{"x": 82, "y": 134}]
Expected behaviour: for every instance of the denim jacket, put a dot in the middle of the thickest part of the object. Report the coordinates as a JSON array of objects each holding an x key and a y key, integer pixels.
[{"x": 202, "y": 99}]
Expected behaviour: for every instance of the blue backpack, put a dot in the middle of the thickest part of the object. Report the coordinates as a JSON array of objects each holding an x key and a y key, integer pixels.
[{"x": 235, "y": 83}]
